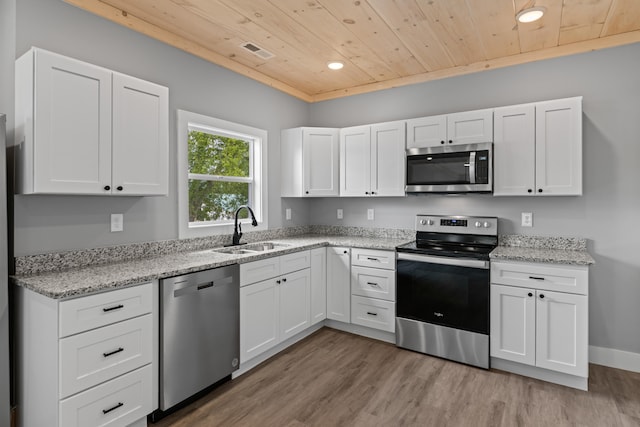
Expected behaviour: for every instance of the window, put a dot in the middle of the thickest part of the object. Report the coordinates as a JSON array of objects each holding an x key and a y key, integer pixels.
[{"x": 221, "y": 167}]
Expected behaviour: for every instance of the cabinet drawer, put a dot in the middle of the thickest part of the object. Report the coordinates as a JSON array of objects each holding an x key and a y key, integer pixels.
[
  {"x": 94, "y": 311},
  {"x": 373, "y": 313},
  {"x": 295, "y": 261},
  {"x": 374, "y": 258},
  {"x": 118, "y": 402},
  {"x": 258, "y": 271},
  {"x": 373, "y": 282},
  {"x": 96, "y": 356},
  {"x": 562, "y": 278}
]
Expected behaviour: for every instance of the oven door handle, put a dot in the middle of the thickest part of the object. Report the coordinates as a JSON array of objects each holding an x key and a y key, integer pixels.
[{"x": 472, "y": 263}]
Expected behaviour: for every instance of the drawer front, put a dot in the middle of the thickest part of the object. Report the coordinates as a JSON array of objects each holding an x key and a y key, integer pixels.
[
  {"x": 552, "y": 277},
  {"x": 373, "y": 282},
  {"x": 118, "y": 402},
  {"x": 258, "y": 271},
  {"x": 373, "y": 313},
  {"x": 373, "y": 258},
  {"x": 94, "y": 311},
  {"x": 295, "y": 261},
  {"x": 97, "y": 356}
]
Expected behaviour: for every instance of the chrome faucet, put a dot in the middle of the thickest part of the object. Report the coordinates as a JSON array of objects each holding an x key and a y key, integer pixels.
[{"x": 237, "y": 230}]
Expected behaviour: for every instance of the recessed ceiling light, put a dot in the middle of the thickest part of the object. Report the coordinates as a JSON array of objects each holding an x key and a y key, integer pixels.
[
  {"x": 531, "y": 14},
  {"x": 335, "y": 65}
]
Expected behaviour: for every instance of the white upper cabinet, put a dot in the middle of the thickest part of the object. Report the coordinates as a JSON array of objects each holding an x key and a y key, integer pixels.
[
  {"x": 468, "y": 127},
  {"x": 372, "y": 161},
  {"x": 538, "y": 149},
  {"x": 309, "y": 162},
  {"x": 82, "y": 129},
  {"x": 140, "y": 136}
]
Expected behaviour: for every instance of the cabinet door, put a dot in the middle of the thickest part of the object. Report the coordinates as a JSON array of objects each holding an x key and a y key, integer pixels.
[
  {"x": 559, "y": 147},
  {"x": 318, "y": 285},
  {"x": 470, "y": 127},
  {"x": 426, "y": 131},
  {"x": 295, "y": 303},
  {"x": 513, "y": 324},
  {"x": 514, "y": 150},
  {"x": 320, "y": 162},
  {"x": 338, "y": 284},
  {"x": 388, "y": 159},
  {"x": 72, "y": 119},
  {"x": 355, "y": 161},
  {"x": 562, "y": 332},
  {"x": 258, "y": 318},
  {"x": 140, "y": 137}
]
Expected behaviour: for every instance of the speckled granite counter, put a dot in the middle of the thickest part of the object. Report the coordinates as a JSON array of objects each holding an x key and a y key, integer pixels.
[
  {"x": 80, "y": 281},
  {"x": 555, "y": 250}
]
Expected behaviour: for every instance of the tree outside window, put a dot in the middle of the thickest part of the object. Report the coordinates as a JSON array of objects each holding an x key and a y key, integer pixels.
[{"x": 220, "y": 175}]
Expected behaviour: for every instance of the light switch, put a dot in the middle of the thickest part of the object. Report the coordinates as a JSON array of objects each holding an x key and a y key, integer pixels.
[
  {"x": 288, "y": 213},
  {"x": 340, "y": 214},
  {"x": 527, "y": 219},
  {"x": 117, "y": 222}
]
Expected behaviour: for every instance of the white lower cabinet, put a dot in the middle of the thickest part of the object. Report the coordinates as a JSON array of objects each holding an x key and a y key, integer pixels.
[
  {"x": 373, "y": 289},
  {"x": 277, "y": 307},
  {"x": 338, "y": 284},
  {"x": 533, "y": 324},
  {"x": 86, "y": 361},
  {"x": 318, "y": 285}
]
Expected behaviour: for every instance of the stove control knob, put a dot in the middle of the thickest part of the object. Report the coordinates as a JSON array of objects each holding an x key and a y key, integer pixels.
[
  {"x": 487, "y": 224},
  {"x": 478, "y": 224},
  {"x": 429, "y": 222},
  {"x": 423, "y": 222}
]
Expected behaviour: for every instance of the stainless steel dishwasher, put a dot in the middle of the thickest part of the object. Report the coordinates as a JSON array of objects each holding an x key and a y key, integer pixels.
[{"x": 199, "y": 332}]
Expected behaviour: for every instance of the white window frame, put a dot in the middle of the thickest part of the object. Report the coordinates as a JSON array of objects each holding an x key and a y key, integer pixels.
[{"x": 188, "y": 120}]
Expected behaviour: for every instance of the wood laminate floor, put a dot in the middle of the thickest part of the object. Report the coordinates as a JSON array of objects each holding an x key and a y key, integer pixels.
[{"x": 333, "y": 378}]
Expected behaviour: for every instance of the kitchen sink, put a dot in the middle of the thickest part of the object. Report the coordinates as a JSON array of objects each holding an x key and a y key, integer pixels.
[{"x": 251, "y": 248}]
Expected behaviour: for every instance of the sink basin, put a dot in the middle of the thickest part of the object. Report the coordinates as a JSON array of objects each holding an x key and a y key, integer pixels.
[
  {"x": 251, "y": 248},
  {"x": 264, "y": 246}
]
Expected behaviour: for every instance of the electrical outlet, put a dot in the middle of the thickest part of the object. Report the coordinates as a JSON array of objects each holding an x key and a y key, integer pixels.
[
  {"x": 527, "y": 219},
  {"x": 370, "y": 214},
  {"x": 117, "y": 222},
  {"x": 288, "y": 213},
  {"x": 340, "y": 214}
]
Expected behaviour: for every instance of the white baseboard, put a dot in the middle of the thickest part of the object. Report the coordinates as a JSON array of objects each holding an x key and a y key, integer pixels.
[{"x": 614, "y": 358}]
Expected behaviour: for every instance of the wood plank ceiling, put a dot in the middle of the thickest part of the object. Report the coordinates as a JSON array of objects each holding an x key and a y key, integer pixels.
[{"x": 383, "y": 43}]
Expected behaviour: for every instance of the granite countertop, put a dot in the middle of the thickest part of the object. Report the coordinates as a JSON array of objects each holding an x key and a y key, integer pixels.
[
  {"x": 555, "y": 250},
  {"x": 81, "y": 281}
]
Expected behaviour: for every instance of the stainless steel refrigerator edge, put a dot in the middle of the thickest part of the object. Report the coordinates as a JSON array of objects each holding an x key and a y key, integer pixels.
[{"x": 4, "y": 282}]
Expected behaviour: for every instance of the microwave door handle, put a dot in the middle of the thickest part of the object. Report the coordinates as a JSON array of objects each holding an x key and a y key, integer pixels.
[{"x": 472, "y": 167}]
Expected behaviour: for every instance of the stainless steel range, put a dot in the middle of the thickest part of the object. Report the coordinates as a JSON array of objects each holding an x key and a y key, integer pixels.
[{"x": 442, "y": 286}]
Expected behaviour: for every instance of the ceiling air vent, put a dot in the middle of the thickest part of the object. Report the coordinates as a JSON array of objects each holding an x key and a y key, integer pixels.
[{"x": 257, "y": 50}]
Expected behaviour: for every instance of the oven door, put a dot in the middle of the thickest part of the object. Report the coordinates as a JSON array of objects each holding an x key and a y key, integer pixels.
[{"x": 452, "y": 292}]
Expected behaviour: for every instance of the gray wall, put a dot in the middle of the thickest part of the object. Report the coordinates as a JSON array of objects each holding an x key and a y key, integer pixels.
[
  {"x": 607, "y": 214},
  {"x": 56, "y": 223}
]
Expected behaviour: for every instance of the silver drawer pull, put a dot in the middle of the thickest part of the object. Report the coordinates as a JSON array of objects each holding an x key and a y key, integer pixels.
[
  {"x": 115, "y": 307},
  {"x": 536, "y": 278},
  {"x": 106, "y": 411},
  {"x": 372, "y": 284},
  {"x": 371, "y": 313},
  {"x": 111, "y": 353}
]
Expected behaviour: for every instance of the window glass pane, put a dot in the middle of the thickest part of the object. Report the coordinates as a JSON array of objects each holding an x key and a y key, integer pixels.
[
  {"x": 211, "y": 154},
  {"x": 216, "y": 200}
]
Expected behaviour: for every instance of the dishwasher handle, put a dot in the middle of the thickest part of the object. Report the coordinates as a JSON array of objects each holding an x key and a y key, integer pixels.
[{"x": 195, "y": 287}]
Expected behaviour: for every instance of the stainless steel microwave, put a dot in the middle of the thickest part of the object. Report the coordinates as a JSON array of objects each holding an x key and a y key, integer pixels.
[{"x": 461, "y": 168}]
